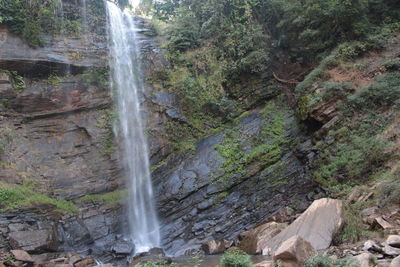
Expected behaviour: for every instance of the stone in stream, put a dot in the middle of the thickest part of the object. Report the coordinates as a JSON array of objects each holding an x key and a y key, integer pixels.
[
  {"x": 317, "y": 225},
  {"x": 254, "y": 241},
  {"x": 294, "y": 252}
]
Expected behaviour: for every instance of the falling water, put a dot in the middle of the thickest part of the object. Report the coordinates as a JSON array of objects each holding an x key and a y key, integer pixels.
[{"x": 128, "y": 84}]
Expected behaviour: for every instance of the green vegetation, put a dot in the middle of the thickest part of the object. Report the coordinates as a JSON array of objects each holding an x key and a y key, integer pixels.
[
  {"x": 106, "y": 122},
  {"x": 16, "y": 196},
  {"x": 53, "y": 80},
  {"x": 233, "y": 155},
  {"x": 354, "y": 229},
  {"x": 33, "y": 19},
  {"x": 109, "y": 199},
  {"x": 266, "y": 149},
  {"x": 17, "y": 81},
  {"x": 389, "y": 191},
  {"x": 97, "y": 76},
  {"x": 323, "y": 260},
  {"x": 6, "y": 137},
  {"x": 235, "y": 258},
  {"x": 349, "y": 161},
  {"x": 383, "y": 92}
]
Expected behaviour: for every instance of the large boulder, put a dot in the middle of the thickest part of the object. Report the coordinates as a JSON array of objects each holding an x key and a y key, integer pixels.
[
  {"x": 34, "y": 241},
  {"x": 254, "y": 241},
  {"x": 317, "y": 225},
  {"x": 293, "y": 252}
]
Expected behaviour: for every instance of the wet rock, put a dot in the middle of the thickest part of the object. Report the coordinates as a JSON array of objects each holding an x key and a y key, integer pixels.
[
  {"x": 393, "y": 241},
  {"x": 252, "y": 242},
  {"x": 215, "y": 247},
  {"x": 34, "y": 241},
  {"x": 22, "y": 255},
  {"x": 365, "y": 260},
  {"x": 294, "y": 252},
  {"x": 123, "y": 248},
  {"x": 317, "y": 225}
]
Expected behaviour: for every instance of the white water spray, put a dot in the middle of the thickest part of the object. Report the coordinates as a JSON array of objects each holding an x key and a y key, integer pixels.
[{"x": 127, "y": 83}]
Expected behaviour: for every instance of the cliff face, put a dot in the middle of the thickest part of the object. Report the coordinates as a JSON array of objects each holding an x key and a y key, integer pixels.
[
  {"x": 59, "y": 129},
  {"x": 59, "y": 138}
]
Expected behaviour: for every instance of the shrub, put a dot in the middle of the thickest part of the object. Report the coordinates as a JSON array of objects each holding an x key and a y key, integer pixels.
[
  {"x": 15, "y": 196},
  {"x": 392, "y": 64},
  {"x": 236, "y": 258},
  {"x": 384, "y": 91},
  {"x": 323, "y": 260},
  {"x": 389, "y": 192},
  {"x": 109, "y": 198},
  {"x": 349, "y": 160},
  {"x": 353, "y": 229},
  {"x": 336, "y": 89}
]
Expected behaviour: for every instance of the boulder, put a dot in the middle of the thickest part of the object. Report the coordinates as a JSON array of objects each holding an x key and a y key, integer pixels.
[
  {"x": 365, "y": 260},
  {"x": 391, "y": 251},
  {"x": 294, "y": 252},
  {"x": 393, "y": 241},
  {"x": 21, "y": 255},
  {"x": 215, "y": 247},
  {"x": 318, "y": 225},
  {"x": 34, "y": 241},
  {"x": 372, "y": 246},
  {"x": 254, "y": 241},
  {"x": 122, "y": 248},
  {"x": 395, "y": 262}
]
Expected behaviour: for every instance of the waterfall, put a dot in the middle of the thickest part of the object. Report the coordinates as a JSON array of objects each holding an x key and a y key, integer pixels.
[{"x": 128, "y": 86}]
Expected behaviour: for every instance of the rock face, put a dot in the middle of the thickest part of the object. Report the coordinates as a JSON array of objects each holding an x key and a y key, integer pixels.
[
  {"x": 255, "y": 240},
  {"x": 317, "y": 225},
  {"x": 194, "y": 207},
  {"x": 294, "y": 252}
]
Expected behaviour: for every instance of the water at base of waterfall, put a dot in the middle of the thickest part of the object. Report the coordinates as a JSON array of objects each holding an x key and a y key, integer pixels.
[{"x": 127, "y": 87}]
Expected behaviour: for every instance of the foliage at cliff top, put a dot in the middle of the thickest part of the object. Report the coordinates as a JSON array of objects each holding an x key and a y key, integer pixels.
[{"x": 34, "y": 19}]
